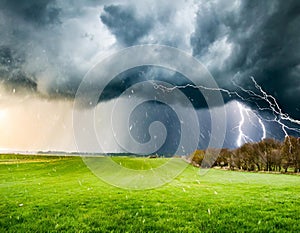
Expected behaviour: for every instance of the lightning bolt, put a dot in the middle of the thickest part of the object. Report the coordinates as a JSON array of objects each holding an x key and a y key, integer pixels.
[
  {"x": 242, "y": 137},
  {"x": 273, "y": 107},
  {"x": 279, "y": 116}
]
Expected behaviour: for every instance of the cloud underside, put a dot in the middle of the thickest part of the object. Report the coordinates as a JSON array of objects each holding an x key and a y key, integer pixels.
[{"x": 47, "y": 46}]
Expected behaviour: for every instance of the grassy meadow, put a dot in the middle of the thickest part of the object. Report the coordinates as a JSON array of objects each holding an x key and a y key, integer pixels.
[{"x": 60, "y": 194}]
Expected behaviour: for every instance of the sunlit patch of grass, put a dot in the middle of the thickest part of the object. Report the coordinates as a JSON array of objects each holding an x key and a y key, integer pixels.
[{"x": 139, "y": 163}]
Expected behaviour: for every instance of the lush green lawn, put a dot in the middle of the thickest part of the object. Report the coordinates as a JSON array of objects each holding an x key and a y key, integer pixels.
[
  {"x": 139, "y": 163},
  {"x": 61, "y": 194}
]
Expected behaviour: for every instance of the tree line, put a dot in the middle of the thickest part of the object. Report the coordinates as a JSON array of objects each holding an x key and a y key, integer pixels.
[{"x": 266, "y": 155}]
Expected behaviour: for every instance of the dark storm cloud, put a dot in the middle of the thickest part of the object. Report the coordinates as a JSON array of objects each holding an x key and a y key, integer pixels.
[
  {"x": 135, "y": 75},
  {"x": 208, "y": 29},
  {"x": 264, "y": 42},
  {"x": 45, "y": 44},
  {"x": 235, "y": 39},
  {"x": 17, "y": 15},
  {"x": 11, "y": 74},
  {"x": 15, "y": 34},
  {"x": 125, "y": 24},
  {"x": 38, "y": 12},
  {"x": 39, "y": 45}
]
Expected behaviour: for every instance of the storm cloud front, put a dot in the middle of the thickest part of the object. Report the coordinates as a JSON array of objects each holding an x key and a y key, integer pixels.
[{"x": 250, "y": 48}]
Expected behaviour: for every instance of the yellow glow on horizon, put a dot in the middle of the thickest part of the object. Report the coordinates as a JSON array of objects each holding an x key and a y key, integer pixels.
[
  {"x": 2, "y": 115},
  {"x": 36, "y": 124}
]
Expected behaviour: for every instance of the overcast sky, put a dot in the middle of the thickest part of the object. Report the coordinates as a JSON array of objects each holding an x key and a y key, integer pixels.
[{"x": 47, "y": 46}]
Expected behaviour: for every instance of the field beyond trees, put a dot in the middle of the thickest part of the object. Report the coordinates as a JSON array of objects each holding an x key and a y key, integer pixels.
[{"x": 54, "y": 194}]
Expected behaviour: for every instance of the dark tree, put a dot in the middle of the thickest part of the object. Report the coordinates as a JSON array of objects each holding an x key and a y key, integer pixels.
[{"x": 291, "y": 153}]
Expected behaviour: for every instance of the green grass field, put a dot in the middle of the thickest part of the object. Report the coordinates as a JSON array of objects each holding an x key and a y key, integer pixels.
[{"x": 55, "y": 194}]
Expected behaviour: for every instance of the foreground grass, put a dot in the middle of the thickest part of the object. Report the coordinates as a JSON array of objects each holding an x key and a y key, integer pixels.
[
  {"x": 142, "y": 163},
  {"x": 61, "y": 194}
]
